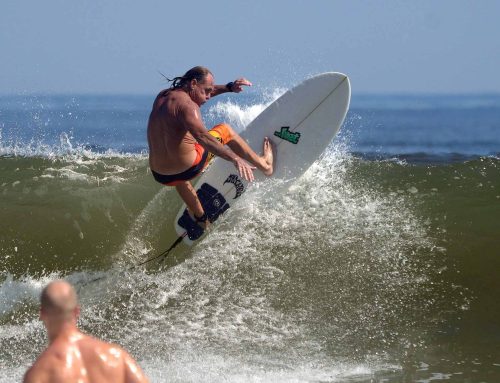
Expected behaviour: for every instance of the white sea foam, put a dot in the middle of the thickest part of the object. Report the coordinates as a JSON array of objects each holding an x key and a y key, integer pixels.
[
  {"x": 14, "y": 292},
  {"x": 195, "y": 366},
  {"x": 239, "y": 116},
  {"x": 65, "y": 149}
]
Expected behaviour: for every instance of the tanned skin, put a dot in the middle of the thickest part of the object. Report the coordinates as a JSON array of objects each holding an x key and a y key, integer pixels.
[
  {"x": 72, "y": 356},
  {"x": 175, "y": 125}
]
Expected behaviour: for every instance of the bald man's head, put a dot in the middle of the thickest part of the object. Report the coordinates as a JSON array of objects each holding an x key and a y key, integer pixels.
[{"x": 58, "y": 299}]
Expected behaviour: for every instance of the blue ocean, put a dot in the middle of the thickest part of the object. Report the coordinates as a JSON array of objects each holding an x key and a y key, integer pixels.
[{"x": 379, "y": 264}]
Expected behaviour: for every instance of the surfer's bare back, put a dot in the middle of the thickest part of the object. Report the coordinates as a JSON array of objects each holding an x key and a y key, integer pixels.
[{"x": 180, "y": 146}]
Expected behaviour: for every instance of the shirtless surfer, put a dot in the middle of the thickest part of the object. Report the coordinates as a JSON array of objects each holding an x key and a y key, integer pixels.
[
  {"x": 71, "y": 355},
  {"x": 180, "y": 146}
]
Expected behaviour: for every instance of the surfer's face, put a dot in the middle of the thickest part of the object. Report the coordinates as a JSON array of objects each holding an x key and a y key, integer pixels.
[{"x": 201, "y": 91}]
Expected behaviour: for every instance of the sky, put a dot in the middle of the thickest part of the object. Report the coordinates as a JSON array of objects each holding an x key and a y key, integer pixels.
[{"x": 120, "y": 46}]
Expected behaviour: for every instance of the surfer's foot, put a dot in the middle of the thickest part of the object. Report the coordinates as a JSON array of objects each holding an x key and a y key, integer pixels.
[
  {"x": 268, "y": 157},
  {"x": 202, "y": 221},
  {"x": 205, "y": 225}
]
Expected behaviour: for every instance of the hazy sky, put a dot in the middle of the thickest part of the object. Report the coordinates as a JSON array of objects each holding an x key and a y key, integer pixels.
[{"x": 115, "y": 46}]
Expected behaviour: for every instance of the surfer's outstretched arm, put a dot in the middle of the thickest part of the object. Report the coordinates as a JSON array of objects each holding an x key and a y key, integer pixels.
[
  {"x": 235, "y": 86},
  {"x": 193, "y": 123}
]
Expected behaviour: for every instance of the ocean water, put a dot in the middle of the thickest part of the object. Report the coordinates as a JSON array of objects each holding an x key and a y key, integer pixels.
[{"x": 379, "y": 264}]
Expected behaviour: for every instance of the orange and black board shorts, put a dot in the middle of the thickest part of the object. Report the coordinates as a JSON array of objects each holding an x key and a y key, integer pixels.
[{"x": 203, "y": 158}]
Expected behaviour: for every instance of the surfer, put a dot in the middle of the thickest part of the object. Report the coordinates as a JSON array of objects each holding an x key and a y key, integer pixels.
[
  {"x": 73, "y": 356},
  {"x": 180, "y": 146}
]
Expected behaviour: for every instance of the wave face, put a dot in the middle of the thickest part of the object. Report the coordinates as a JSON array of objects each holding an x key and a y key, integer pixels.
[{"x": 370, "y": 266}]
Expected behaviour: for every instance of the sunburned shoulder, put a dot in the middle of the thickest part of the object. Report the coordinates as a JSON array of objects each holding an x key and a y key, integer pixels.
[
  {"x": 43, "y": 368},
  {"x": 172, "y": 94},
  {"x": 34, "y": 376},
  {"x": 179, "y": 96},
  {"x": 174, "y": 101},
  {"x": 101, "y": 349}
]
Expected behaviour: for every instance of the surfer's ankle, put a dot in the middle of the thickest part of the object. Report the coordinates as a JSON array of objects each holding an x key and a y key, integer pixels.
[{"x": 266, "y": 167}]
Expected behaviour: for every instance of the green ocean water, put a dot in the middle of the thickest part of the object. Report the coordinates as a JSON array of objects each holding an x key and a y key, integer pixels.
[{"x": 361, "y": 270}]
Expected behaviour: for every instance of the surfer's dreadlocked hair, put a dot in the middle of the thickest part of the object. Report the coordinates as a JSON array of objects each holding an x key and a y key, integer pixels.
[{"x": 197, "y": 73}]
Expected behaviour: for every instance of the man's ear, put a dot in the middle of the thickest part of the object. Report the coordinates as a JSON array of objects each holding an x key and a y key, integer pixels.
[{"x": 193, "y": 83}]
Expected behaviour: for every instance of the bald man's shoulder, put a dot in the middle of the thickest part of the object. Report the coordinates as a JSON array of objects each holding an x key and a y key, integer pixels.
[
  {"x": 97, "y": 351},
  {"x": 93, "y": 359},
  {"x": 44, "y": 368}
]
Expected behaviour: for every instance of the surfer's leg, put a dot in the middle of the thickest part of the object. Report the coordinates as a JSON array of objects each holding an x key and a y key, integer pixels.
[
  {"x": 264, "y": 163},
  {"x": 190, "y": 198}
]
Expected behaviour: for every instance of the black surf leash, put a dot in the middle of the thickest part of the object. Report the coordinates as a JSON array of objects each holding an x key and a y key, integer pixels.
[
  {"x": 163, "y": 254},
  {"x": 214, "y": 204}
]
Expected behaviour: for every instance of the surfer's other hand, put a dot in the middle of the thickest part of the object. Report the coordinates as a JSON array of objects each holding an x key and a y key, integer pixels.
[
  {"x": 238, "y": 84},
  {"x": 244, "y": 168}
]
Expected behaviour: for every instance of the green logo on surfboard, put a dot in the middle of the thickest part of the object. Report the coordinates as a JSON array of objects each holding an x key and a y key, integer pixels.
[{"x": 286, "y": 135}]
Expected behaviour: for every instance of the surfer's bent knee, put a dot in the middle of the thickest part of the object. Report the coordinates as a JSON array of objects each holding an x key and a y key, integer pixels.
[{"x": 223, "y": 133}]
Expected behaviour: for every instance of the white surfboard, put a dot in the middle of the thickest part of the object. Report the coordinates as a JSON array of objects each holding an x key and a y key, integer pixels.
[{"x": 302, "y": 122}]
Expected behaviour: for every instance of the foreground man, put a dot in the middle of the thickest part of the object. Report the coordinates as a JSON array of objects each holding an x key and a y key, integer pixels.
[
  {"x": 180, "y": 146},
  {"x": 71, "y": 355}
]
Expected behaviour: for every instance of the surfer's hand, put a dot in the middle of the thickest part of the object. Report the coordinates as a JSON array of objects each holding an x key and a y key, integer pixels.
[
  {"x": 238, "y": 83},
  {"x": 244, "y": 168}
]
